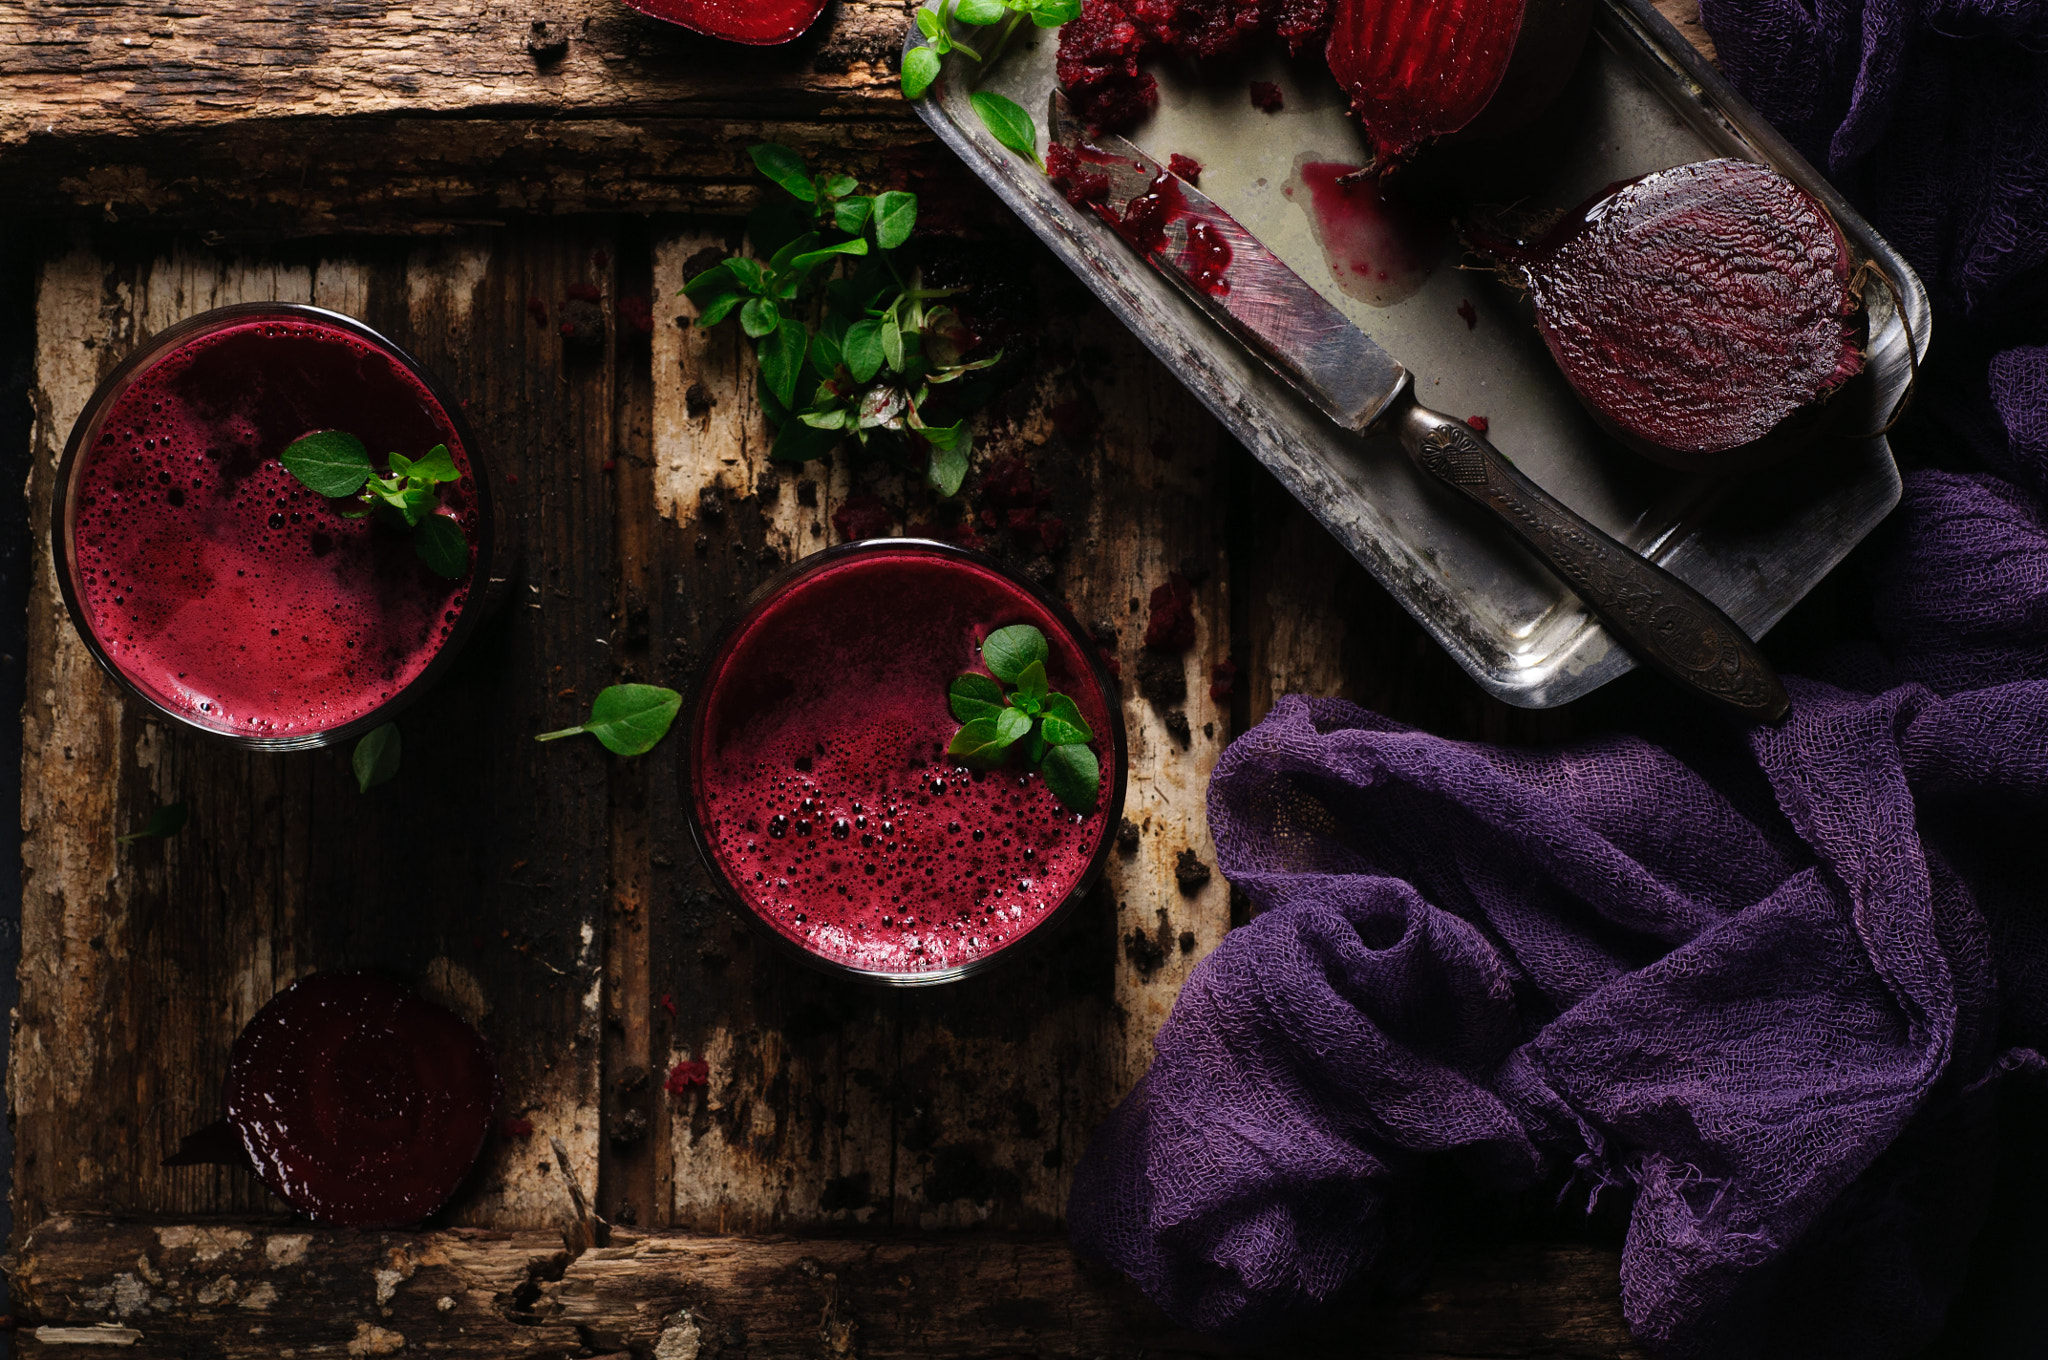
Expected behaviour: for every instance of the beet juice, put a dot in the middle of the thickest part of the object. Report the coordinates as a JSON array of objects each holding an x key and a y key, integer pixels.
[
  {"x": 821, "y": 791},
  {"x": 215, "y": 584}
]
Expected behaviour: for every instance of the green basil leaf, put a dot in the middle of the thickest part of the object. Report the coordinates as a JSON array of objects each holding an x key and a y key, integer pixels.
[
  {"x": 400, "y": 465},
  {"x": 895, "y": 215},
  {"x": 1032, "y": 684},
  {"x": 814, "y": 257},
  {"x": 438, "y": 466},
  {"x": 164, "y": 823},
  {"x": 928, "y": 23},
  {"x": 1011, "y": 724},
  {"x": 748, "y": 274},
  {"x": 760, "y": 317},
  {"x": 863, "y": 350},
  {"x": 920, "y": 69},
  {"x": 786, "y": 168},
  {"x": 1007, "y": 651},
  {"x": 375, "y": 759},
  {"x": 980, "y": 13},
  {"x": 781, "y": 355},
  {"x": 1074, "y": 776},
  {"x": 790, "y": 249},
  {"x": 837, "y": 186},
  {"x": 892, "y": 342},
  {"x": 948, "y": 468},
  {"x": 439, "y": 542},
  {"x": 1035, "y": 748},
  {"x": 1063, "y": 721},
  {"x": 627, "y": 719},
  {"x": 826, "y": 344},
  {"x": 981, "y": 741},
  {"x": 850, "y": 215},
  {"x": 713, "y": 280},
  {"x": 1007, "y": 122},
  {"x": 973, "y": 695},
  {"x": 719, "y": 308},
  {"x": 330, "y": 463},
  {"x": 825, "y": 420},
  {"x": 1048, "y": 13}
]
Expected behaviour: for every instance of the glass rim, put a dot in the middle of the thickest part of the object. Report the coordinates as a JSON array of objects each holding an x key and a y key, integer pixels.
[
  {"x": 698, "y": 703},
  {"x": 63, "y": 545}
]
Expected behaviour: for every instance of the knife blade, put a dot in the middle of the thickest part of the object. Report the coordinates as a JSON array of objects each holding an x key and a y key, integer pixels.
[{"x": 1254, "y": 296}]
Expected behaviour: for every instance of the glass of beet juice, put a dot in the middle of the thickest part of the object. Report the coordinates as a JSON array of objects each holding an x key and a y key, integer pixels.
[
  {"x": 820, "y": 791},
  {"x": 214, "y": 585}
]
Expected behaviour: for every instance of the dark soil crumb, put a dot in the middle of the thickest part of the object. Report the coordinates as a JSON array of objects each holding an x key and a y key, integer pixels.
[
  {"x": 806, "y": 492},
  {"x": 1148, "y": 952},
  {"x": 1127, "y": 836},
  {"x": 582, "y": 323},
  {"x": 1187, "y": 942},
  {"x": 1162, "y": 678},
  {"x": 1190, "y": 873},
  {"x": 697, "y": 399},
  {"x": 630, "y": 1129},
  {"x": 1177, "y": 724},
  {"x": 711, "y": 504}
]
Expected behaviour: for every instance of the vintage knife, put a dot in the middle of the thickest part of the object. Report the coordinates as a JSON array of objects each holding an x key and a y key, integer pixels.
[{"x": 1667, "y": 624}]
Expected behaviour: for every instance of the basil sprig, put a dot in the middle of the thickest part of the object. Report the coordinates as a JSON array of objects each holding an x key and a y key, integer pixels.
[
  {"x": 1004, "y": 118},
  {"x": 1015, "y": 704},
  {"x": 335, "y": 464}
]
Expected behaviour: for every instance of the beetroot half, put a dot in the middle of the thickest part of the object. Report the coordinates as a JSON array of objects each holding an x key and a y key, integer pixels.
[
  {"x": 358, "y": 1102},
  {"x": 1700, "y": 312},
  {"x": 758, "y": 23},
  {"x": 1417, "y": 70}
]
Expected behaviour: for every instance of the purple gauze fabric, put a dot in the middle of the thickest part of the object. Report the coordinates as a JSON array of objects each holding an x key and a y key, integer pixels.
[{"x": 1762, "y": 984}]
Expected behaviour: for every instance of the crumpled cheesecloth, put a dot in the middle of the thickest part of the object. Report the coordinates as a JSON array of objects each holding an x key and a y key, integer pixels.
[{"x": 1764, "y": 984}]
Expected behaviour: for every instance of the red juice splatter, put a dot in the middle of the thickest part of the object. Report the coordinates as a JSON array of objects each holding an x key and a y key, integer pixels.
[
  {"x": 1380, "y": 249},
  {"x": 1144, "y": 219},
  {"x": 215, "y": 581},
  {"x": 685, "y": 1075},
  {"x": 1478, "y": 423},
  {"x": 1208, "y": 259},
  {"x": 821, "y": 785},
  {"x": 1470, "y": 313}
]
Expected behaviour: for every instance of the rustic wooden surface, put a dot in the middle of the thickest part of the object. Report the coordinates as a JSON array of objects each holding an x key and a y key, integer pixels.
[{"x": 565, "y": 910}]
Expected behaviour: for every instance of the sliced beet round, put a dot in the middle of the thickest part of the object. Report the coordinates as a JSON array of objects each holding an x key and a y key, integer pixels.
[
  {"x": 1698, "y": 310},
  {"x": 358, "y": 1102},
  {"x": 758, "y": 23},
  {"x": 1418, "y": 70}
]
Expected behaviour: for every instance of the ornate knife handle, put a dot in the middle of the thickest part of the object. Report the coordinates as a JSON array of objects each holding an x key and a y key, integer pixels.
[{"x": 1668, "y": 625}]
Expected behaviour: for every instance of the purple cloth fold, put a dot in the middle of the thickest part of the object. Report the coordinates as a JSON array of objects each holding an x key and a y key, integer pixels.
[{"x": 1762, "y": 984}]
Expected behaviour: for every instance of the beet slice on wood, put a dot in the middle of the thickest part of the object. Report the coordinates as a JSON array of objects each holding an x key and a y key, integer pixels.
[
  {"x": 1698, "y": 310},
  {"x": 1417, "y": 70},
  {"x": 358, "y": 1102},
  {"x": 759, "y": 23}
]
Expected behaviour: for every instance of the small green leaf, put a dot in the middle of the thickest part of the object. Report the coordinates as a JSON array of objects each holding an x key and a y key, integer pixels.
[
  {"x": 786, "y": 168},
  {"x": 825, "y": 420},
  {"x": 1048, "y": 13},
  {"x": 719, "y": 308},
  {"x": 1035, "y": 748},
  {"x": 399, "y": 464},
  {"x": 1032, "y": 684},
  {"x": 164, "y": 823},
  {"x": 973, "y": 695},
  {"x": 892, "y": 342},
  {"x": 837, "y": 186},
  {"x": 980, "y": 13},
  {"x": 782, "y": 358},
  {"x": 748, "y": 274},
  {"x": 1011, "y": 724},
  {"x": 330, "y": 463},
  {"x": 1007, "y": 122},
  {"x": 928, "y": 23},
  {"x": 437, "y": 466},
  {"x": 826, "y": 343},
  {"x": 895, "y": 215},
  {"x": 948, "y": 467},
  {"x": 1007, "y": 651},
  {"x": 439, "y": 542},
  {"x": 863, "y": 350},
  {"x": 920, "y": 69},
  {"x": 809, "y": 258},
  {"x": 416, "y": 500},
  {"x": 1074, "y": 776},
  {"x": 851, "y": 214},
  {"x": 981, "y": 741},
  {"x": 627, "y": 719},
  {"x": 760, "y": 317},
  {"x": 717, "y": 279},
  {"x": 790, "y": 249},
  {"x": 1064, "y": 724},
  {"x": 375, "y": 759}
]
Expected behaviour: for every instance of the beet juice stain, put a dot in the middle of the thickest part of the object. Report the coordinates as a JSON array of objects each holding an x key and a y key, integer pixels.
[
  {"x": 822, "y": 786},
  {"x": 217, "y": 582},
  {"x": 1380, "y": 249}
]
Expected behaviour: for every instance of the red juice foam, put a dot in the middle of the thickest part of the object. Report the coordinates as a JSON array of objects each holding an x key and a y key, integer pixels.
[
  {"x": 219, "y": 585},
  {"x": 822, "y": 786}
]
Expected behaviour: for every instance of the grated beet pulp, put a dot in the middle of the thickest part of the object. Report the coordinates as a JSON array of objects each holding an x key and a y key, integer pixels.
[
  {"x": 1698, "y": 309},
  {"x": 358, "y": 1102},
  {"x": 758, "y": 23},
  {"x": 1100, "y": 50}
]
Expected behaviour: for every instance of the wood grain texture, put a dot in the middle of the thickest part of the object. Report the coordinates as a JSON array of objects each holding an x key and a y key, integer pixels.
[{"x": 256, "y": 1288}]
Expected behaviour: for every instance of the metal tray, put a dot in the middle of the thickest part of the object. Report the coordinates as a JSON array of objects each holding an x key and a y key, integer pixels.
[{"x": 1642, "y": 99}]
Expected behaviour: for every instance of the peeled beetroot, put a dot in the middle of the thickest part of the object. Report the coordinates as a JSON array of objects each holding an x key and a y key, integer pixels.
[
  {"x": 1417, "y": 70},
  {"x": 358, "y": 1102},
  {"x": 758, "y": 23},
  {"x": 1698, "y": 310}
]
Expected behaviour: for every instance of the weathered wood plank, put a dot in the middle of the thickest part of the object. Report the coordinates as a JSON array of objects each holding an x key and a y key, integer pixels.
[{"x": 263, "y": 1288}]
